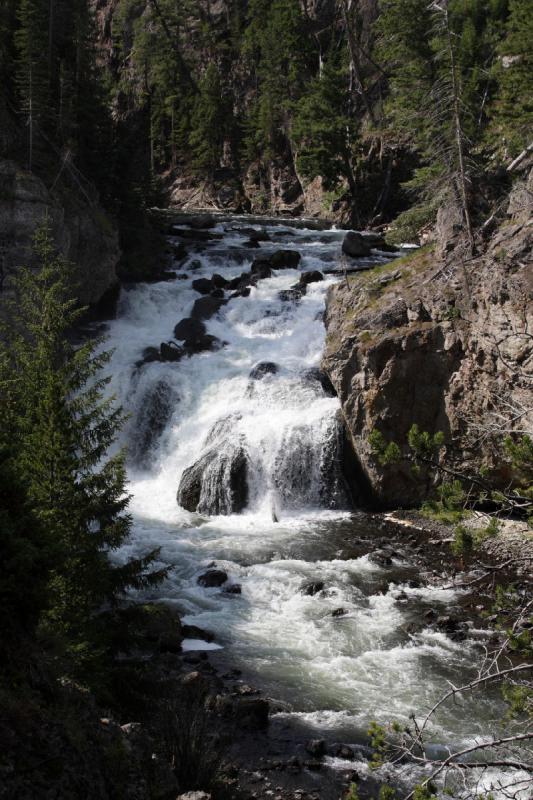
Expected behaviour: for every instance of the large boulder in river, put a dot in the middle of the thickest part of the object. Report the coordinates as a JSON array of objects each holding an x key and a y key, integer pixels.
[
  {"x": 189, "y": 328},
  {"x": 203, "y": 285},
  {"x": 170, "y": 351},
  {"x": 213, "y": 578},
  {"x": 316, "y": 375},
  {"x": 262, "y": 369},
  {"x": 155, "y": 409},
  {"x": 313, "y": 276},
  {"x": 217, "y": 483},
  {"x": 207, "y": 307},
  {"x": 203, "y": 344},
  {"x": 355, "y": 245},
  {"x": 285, "y": 259}
]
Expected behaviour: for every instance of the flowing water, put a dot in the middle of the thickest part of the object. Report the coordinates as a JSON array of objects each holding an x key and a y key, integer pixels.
[{"x": 376, "y": 662}]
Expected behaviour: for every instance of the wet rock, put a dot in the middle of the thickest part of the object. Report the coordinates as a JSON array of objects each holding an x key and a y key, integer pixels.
[
  {"x": 259, "y": 236},
  {"x": 218, "y": 281},
  {"x": 262, "y": 369},
  {"x": 154, "y": 412},
  {"x": 252, "y": 711},
  {"x": 182, "y": 276},
  {"x": 243, "y": 690},
  {"x": 213, "y": 578},
  {"x": 170, "y": 351},
  {"x": 194, "y": 265},
  {"x": 354, "y": 245},
  {"x": 202, "y": 285},
  {"x": 235, "y": 588},
  {"x": 201, "y": 221},
  {"x": 339, "y": 612},
  {"x": 194, "y": 796},
  {"x": 316, "y": 747},
  {"x": 311, "y": 277},
  {"x": 241, "y": 293},
  {"x": 313, "y": 766},
  {"x": 203, "y": 344},
  {"x": 343, "y": 751},
  {"x": 217, "y": 293},
  {"x": 189, "y": 329},
  {"x": 179, "y": 251},
  {"x": 207, "y": 307},
  {"x": 311, "y": 588},
  {"x": 380, "y": 558},
  {"x": 290, "y": 295},
  {"x": 261, "y": 269},
  {"x": 452, "y": 627},
  {"x": 318, "y": 375},
  {"x": 285, "y": 259},
  {"x": 217, "y": 483},
  {"x": 241, "y": 281},
  {"x": 194, "y": 632},
  {"x": 252, "y": 244},
  {"x": 150, "y": 354}
]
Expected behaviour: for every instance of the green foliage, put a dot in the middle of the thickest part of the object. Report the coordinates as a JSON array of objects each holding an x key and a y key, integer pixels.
[
  {"x": 386, "y": 792},
  {"x": 424, "y": 791},
  {"x": 512, "y": 110},
  {"x": 385, "y": 452},
  {"x": 209, "y": 123},
  {"x": 449, "y": 504},
  {"x": 322, "y": 128},
  {"x": 352, "y": 793},
  {"x": 378, "y": 742},
  {"x": 60, "y": 428}
]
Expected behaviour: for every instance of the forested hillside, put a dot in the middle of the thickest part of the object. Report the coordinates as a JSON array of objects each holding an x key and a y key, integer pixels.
[{"x": 347, "y": 108}]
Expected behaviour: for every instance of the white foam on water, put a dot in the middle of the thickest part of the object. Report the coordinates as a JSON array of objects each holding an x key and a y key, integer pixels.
[{"x": 337, "y": 673}]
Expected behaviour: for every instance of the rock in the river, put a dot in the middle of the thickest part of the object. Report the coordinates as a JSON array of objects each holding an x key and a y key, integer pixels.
[
  {"x": 202, "y": 344},
  {"x": 261, "y": 268},
  {"x": 354, "y": 245},
  {"x": 315, "y": 374},
  {"x": 202, "y": 285},
  {"x": 217, "y": 293},
  {"x": 170, "y": 351},
  {"x": 339, "y": 612},
  {"x": 217, "y": 483},
  {"x": 207, "y": 307},
  {"x": 262, "y": 369},
  {"x": 150, "y": 354},
  {"x": 213, "y": 578},
  {"x": 285, "y": 259},
  {"x": 311, "y": 588},
  {"x": 316, "y": 747},
  {"x": 380, "y": 558},
  {"x": 218, "y": 281},
  {"x": 235, "y": 588},
  {"x": 452, "y": 627},
  {"x": 154, "y": 412},
  {"x": 311, "y": 277},
  {"x": 290, "y": 295},
  {"x": 189, "y": 329}
]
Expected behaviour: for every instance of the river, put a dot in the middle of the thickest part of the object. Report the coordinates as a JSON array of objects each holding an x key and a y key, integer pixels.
[{"x": 377, "y": 660}]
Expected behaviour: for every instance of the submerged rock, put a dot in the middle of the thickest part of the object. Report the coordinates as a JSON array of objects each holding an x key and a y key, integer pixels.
[
  {"x": 170, "y": 351},
  {"x": 202, "y": 285},
  {"x": 155, "y": 409},
  {"x": 314, "y": 374},
  {"x": 189, "y": 328},
  {"x": 311, "y": 588},
  {"x": 311, "y": 277},
  {"x": 285, "y": 259},
  {"x": 207, "y": 307},
  {"x": 262, "y": 369},
  {"x": 213, "y": 578}
]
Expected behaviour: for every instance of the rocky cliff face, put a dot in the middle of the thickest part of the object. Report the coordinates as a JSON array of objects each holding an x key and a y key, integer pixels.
[
  {"x": 438, "y": 340},
  {"x": 81, "y": 229}
]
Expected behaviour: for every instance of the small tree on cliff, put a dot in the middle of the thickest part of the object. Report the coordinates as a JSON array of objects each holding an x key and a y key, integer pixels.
[{"x": 61, "y": 428}]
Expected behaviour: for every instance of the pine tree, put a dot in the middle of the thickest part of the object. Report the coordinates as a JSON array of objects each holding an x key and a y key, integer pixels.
[
  {"x": 62, "y": 429},
  {"x": 209, "y": 123},
  {"x": 322, "y": 130},
  {"x": 512, "y": 113},
  {"x": 33, "y": 67}
]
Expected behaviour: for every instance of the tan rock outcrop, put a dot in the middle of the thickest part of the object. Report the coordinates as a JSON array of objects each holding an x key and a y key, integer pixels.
[{"x": 444, "y": 344}]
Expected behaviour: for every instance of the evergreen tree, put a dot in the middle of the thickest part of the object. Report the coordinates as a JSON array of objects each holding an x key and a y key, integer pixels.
[
  {"x": 322, "y": 130},
  {"x": 61, "y": 430},
  {"x": 33, "y": 66},
  {"x": 209, "y": 123},
  {"x": 512, "y": 112},
  {"x": 277, "y": 49}
]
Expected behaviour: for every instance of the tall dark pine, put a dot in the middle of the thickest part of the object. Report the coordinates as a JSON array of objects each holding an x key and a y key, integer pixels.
[{"x": 62, "y": 429}]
